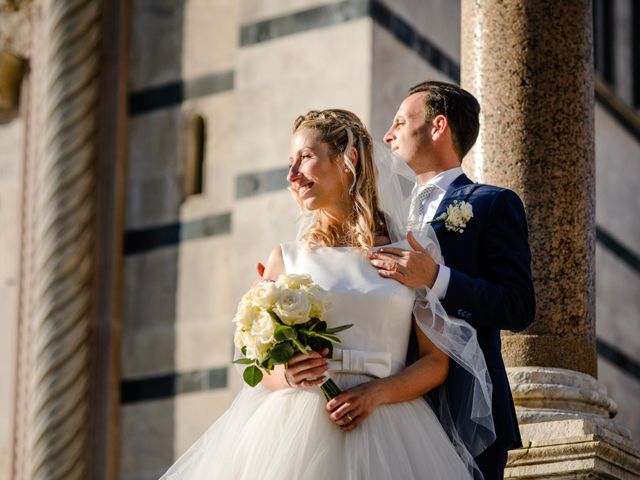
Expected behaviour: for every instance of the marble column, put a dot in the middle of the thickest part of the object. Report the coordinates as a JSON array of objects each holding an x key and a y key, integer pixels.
[
  {"x": 530, "y": 64},
  {"x": 53, "y": 437}
]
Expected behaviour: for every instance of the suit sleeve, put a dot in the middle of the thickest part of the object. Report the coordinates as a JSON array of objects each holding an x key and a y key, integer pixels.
[{"x": 502, "y": 296}]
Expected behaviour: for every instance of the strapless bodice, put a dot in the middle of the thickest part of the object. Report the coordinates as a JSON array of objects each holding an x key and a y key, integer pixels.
[{"x": 379, "y": 308}]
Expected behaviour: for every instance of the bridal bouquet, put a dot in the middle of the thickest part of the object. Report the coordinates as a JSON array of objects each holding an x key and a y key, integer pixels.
[{"x": 277, "y": 319}]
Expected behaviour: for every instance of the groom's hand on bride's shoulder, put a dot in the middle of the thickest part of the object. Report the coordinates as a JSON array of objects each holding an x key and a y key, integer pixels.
[{"x": 413, "y": 268}]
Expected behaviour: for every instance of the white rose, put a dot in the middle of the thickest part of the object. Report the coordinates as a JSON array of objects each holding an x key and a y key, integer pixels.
[
  {"x": 239, "y": 338},
  {"x": 293, "y": 280},
  {"x": 292, "y": 306},
  {"x": 246, "y": 314},
  {"x": 247, "y": 297},
  {"x": 255, "y": 348},
  {"x": 265, "y": 294},
  {"x": 319, "y": 300},
  {"x": 263, "y": 328}
]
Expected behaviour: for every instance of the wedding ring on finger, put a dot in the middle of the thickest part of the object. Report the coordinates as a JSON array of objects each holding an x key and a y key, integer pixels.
[{"x": 348, "y": 415}]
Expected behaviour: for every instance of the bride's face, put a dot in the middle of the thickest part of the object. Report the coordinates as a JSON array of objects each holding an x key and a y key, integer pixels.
[{"x": 316, "y": 179}]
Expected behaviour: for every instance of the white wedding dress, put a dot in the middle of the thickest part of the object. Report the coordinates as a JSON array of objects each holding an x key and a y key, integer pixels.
[{"x": 288, "y": 434}]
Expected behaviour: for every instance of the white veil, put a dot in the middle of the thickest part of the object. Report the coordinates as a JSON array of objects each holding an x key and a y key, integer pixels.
[{"x": 471, "y": 429}]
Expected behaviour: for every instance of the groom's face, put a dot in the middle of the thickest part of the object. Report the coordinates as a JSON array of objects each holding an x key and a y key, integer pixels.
[{"x": 409, "y": 135}]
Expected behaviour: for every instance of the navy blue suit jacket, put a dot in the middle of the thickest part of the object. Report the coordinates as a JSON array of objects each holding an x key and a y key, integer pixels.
[{"x": 490, "y": 287}]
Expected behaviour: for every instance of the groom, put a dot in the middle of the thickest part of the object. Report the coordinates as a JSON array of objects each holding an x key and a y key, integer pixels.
[{"x": 487, "y": 278}]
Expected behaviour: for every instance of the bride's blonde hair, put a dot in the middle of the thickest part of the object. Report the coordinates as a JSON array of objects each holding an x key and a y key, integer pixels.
[{"x": 343, "y": 132}]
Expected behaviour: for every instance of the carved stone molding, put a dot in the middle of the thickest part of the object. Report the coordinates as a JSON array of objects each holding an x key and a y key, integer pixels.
[{"x": 58, "y": 294}]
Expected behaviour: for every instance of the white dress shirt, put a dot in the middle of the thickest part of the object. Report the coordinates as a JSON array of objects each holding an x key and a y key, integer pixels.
[{"x": 442, "y": 181}]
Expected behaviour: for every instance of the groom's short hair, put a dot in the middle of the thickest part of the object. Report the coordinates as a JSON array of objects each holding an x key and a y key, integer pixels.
[{"x": 459, "y": 106}]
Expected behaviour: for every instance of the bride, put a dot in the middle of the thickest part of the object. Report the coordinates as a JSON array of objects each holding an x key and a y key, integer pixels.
[{"x": 379, "y": 427}]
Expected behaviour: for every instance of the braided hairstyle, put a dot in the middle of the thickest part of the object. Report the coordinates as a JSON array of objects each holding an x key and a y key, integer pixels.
[{"x": 343, "y": 131}]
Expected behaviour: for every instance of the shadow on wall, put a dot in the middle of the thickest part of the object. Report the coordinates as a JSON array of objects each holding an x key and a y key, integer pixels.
[{"x": 155, "y": 191}]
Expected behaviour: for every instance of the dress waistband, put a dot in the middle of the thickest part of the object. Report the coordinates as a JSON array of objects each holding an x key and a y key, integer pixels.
[{"x": 375, "y": 364}]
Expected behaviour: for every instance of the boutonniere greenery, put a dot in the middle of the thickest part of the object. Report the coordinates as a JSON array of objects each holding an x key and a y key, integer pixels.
[{"x": 456, "y": 217}]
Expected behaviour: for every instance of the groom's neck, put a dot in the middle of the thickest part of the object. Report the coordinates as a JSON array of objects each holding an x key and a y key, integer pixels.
[
  {"x": 424, "y": 176},
  {"x": 440, "y": 161}
]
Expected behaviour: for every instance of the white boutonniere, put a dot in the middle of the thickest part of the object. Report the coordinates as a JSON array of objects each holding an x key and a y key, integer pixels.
[{"x": 456, "y": 217}]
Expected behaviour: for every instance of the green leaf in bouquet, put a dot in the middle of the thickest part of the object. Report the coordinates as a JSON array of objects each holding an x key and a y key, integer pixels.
[
  {"x": 338, "y": 329},
  {"x": 244, "y": 350},
  {"x": 267, "y": 363},
  {"x": 315, "y": 343},
  {"x": 244, "y": 361},
  {"x": 282, "y": 352},
  {"x": 318, "y": 325},
  {"x": 326, "y": 336},
  {"x": 284, "y": 332},
  {"x": 252, "y": 376},
  {"x": 301, "y": 348},
  {"x": 319, "y": 343}
]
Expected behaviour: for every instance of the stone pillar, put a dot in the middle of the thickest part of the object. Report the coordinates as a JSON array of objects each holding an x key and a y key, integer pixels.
[
  {"x": 530, "y": 64},
  {"x": 53, "y": 438}
]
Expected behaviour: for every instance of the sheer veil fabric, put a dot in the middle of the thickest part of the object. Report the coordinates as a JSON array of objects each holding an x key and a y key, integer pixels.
[{"x": 473, "y": 431}]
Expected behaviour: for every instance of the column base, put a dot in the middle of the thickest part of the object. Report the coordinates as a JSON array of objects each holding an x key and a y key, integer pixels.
[
  {"x": 567, "y": 428},
  {"x": 570, "y": 456}
]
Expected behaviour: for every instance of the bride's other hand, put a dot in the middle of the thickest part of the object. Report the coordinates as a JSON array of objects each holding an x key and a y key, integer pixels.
[
  {"x": 413, "y": 268},
  {"x": 306, "y": 370},
  {"x": 351, "y": 407}
]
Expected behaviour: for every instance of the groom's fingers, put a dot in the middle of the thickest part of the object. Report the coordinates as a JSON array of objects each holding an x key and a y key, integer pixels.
[
  {"x": 397, "y": 276},
  {"x": 388, "y": 261},
  {"x": 387, "y": 265},
  {"x": 398, "y": 252},
  {"x": 414, "y": 243}
]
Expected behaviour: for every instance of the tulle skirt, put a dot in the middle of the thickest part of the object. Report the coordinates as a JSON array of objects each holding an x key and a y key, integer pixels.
[{"x": 288, "y": 434}]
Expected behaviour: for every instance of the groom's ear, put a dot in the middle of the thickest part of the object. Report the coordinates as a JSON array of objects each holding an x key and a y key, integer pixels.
[{"x": 439, "y": 127}]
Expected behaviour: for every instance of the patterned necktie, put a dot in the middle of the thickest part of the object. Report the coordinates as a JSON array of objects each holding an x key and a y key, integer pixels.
[{"x": 419, "y": 207}]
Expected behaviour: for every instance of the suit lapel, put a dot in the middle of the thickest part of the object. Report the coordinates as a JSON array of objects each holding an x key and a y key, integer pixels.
[{"x": 449, "y": 196}]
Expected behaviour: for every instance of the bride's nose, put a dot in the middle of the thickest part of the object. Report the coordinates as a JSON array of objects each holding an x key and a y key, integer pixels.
[{"x": 294, "y": 172}]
